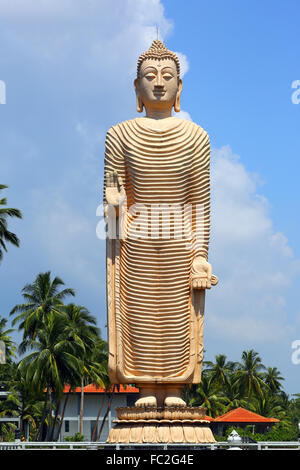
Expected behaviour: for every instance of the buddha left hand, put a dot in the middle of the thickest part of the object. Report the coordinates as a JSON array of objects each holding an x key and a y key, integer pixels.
[{"x": 201, "y": 274}]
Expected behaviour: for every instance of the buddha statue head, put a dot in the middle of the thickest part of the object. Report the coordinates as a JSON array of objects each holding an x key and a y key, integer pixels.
[{"x": 158, "y": 84}]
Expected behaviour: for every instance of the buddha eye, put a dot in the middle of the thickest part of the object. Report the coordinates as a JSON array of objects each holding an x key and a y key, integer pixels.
[
  {"x": 167, "y": 76},
  {"x": 150, "y": 76}
]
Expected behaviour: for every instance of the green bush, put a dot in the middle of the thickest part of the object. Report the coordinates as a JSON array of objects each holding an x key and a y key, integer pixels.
[
  {"x": 8, "y": 432},
  {"x": 281, "y": 433},
  {"x": 278, "y": 433},
  {"x": 76, "y": 438}
]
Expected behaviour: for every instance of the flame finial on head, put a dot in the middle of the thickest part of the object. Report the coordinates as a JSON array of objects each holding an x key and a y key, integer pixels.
[{"x": 158, "y": 50}]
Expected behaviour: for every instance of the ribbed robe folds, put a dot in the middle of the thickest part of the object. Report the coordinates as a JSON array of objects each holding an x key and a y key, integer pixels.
[{"x": 153, "y": 332}]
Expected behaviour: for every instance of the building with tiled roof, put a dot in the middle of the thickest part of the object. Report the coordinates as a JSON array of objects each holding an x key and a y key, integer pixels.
[
  {"x": 240, "y": 417},
  {"x": 95, "y": 399},
  {"x": 91, "y": 388}
]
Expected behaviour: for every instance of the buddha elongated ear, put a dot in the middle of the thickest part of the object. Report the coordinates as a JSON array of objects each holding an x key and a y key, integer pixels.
[
  {"x": 177, "y": 99},
  {"x": 139, "y": 102}
]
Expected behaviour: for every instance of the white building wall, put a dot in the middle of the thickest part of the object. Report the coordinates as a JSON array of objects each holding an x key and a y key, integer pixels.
[{"x": 92, "y": 402}]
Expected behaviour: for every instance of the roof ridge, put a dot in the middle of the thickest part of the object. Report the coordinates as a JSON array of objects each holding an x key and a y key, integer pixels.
[{"x": 242, "y": 414}]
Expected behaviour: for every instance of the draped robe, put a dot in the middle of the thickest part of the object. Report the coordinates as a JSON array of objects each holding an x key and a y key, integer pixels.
[{"x": 155, "y": 319}]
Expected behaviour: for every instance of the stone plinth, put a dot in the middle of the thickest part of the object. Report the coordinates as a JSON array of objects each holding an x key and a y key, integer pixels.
[{"x": 138, "y": 425}]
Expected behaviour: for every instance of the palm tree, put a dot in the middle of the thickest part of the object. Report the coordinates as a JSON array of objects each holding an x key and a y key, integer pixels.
[
  {"x": 100, "y": 356},
  {"x": 268, "y": 405},
  {"x": 61, "y": 420},
  {"x": 233, "y": 396},
  {"x": 220, "y": 370},
  {"x": 91, "y": 372},
  {"x": 273, "y": 378},
  {"x": 53, "y": 362},
  {"x": 5, "y": 234},
  {"x": 80, "y": 327},
  {"x": 292, "y": 407},
  {"x": 6, "y": 340},
  {"x": 111, "y": 394},
  {"x": 208, "y": 396},
  {"x": 42, "y": 297},
  {"x": 248, "y": 376},
  {"x": 21, "y": 401}
]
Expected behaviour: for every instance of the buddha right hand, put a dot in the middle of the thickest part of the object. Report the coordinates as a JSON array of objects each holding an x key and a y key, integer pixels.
[{"x": 114, "y": 193}]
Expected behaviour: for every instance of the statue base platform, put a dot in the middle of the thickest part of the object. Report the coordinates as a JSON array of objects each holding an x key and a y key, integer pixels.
[{"x": 173, "y": 425}]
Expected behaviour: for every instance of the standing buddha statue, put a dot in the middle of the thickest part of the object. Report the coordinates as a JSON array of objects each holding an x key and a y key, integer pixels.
[{"x": 156, "y": 282}]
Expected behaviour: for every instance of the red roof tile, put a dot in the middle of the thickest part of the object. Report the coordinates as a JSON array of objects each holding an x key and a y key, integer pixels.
[
  {"x": 208, "y": 418},
  {"x": 91, "y": 388},
  {"x": 241, "y": 415}
]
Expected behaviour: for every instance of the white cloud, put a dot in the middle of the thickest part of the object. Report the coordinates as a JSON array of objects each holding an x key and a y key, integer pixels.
[
  {"x": 183, "y": 115},
  {"x": 254, "y": 262},
  {"x": 92, "y": 49},
  {"x": 80, "y": 60},
  {"x": 96, "y": 33},
  {"x": 68, "y": 237},
  {"x": 184, "y": 64},
  {"x": 247, "y": 329}
]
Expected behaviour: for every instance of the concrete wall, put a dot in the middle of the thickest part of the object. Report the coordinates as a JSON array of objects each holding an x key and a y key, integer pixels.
[{"x": 92, "y": 401}]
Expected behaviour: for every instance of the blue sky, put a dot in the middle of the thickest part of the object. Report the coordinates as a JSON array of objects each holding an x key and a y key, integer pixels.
[{"x": 68, "y": 67}]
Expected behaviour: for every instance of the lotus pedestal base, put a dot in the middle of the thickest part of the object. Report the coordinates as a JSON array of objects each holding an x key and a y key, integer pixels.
[{"x": 178, "y": 425}]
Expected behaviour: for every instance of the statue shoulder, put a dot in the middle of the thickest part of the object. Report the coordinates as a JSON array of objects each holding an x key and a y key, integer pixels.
[
  {"x": 201, "y": 130},
  {"x": 120, "y": 125},
  {"x": 194, "y": 125},
  {"x": 197, "y": 128},
  {"x": 116, "y": 130}
]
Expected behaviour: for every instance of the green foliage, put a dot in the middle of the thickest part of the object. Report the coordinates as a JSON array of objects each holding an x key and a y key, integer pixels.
[
  {"x": 276, "y": 434},
  {"x": 7, "y": 432},
  {"x": 10, "y": 348},
  {"x": 60, "y": 346},
  {"x": 282, "y": 433},
  {"x": 76, "y": 438},
  {"x": 5, "y": 235},
  {"x": 249, "y": 384},
  {"x": 42, "y": 298},
  {"x": 248, "y": 375}
]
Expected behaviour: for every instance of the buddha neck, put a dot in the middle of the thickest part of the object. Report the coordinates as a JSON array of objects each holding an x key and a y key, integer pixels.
[{"x": 158, "y": 113}]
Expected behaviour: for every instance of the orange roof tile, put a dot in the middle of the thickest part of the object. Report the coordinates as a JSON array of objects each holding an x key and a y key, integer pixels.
[
  {"x": 208, "y": 418},
  {"x": 241, "y": 415},
  {"x": 92, "y": 388}
]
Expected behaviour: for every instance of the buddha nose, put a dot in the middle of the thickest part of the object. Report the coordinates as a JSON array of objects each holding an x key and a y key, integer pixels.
[{"x": 159, "y": 81}]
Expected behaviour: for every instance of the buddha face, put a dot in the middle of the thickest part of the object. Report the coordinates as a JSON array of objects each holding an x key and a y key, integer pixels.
[{"x": 158, "y": 86}]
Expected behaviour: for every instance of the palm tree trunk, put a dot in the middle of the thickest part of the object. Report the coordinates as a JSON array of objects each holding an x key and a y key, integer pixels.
[
  {"x": 38, "y": 437},
  {"x": 63, "y": 414},
  {"x": 249, "y": 393},
  {"x": 55, "y": 420},
  {"x": 98, "y": 416},
  {"x": 81, "y": 405},
  {"x": 21, "y": 417},
  {"x": 50, "y": 417},
  {"x": 107, "y": 411}
]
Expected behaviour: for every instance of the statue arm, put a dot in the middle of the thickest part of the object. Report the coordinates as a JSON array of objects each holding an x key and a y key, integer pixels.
[
  {"x": 200, "y": 197},
  {"x": 114, "y": 172},
  {"x": 201, "y": 274}
]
